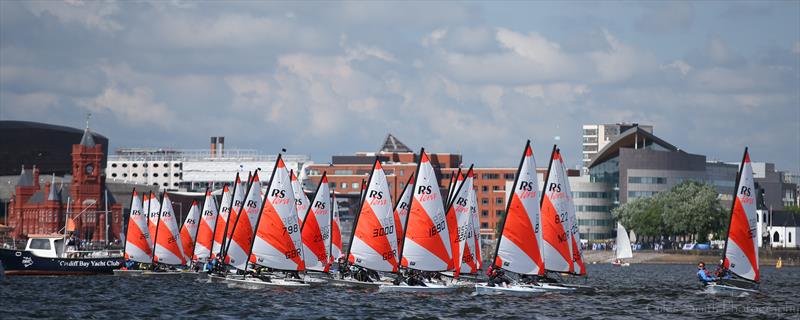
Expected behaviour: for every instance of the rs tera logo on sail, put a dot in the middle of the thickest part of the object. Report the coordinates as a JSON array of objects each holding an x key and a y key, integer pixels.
[
  {"x": 279, "y": 197},
  {"x": 425, "y": 193},
  {"x": 376, "y": 198},
  {"x": 526, "y": 189}
]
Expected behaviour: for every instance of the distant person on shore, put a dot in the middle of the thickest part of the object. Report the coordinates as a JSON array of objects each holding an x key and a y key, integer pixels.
[{"x": 702, "y": 274}]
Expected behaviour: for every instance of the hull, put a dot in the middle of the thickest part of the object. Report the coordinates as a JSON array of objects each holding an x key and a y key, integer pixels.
[
  {"x": 580, "y": 288},
  {"x": 513, "y": 291},
  {"x": 128, "y": 273},
  {"x": 556, "y": 288},
  {"x": 17, "y": 262},
  {"x": 356, "y": 283},
  {"x": 162, "y": 274},
  {"x": 431, "y": 288},
  {"x": 725, "y": 290},
  {"x": 251, "y": 283}
]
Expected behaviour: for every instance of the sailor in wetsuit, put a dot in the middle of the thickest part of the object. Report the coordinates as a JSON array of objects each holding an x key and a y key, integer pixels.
[
  {"x": 498, "y": 277},
  {"x": 702, "y": 274},
  {"x": 415, "y": 279}
]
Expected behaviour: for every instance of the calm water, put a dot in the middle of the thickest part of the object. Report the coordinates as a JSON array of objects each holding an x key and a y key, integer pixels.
[{"x": 651, "y": 291}]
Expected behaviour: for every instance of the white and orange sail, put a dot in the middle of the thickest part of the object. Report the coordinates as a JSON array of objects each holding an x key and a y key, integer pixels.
[
  {"x": 556, "y": 205},
  {"x": 221, "y": 229},
  {"x": 336, "y": 231},
  {"x": 277, "y": 243},
  {"x": 300, "y": 199},
  {"x": 316, "y": 229},
  {"x": 243, "y": 230},
  {"x": 205, "y": 231},
  {"x": 741, "y": 245},
  {"x": 374, "y": 244},
  {"x": 518, "y": 249},
  {"x": 137, "y": 237},
  {"x": 168, "y": 248},
  {"x": 463, "y": 210},
  {"x": 401, "y": 211},
  {"x": 578, "y": 266},
  {"x": 189, "y": 230},
  {"x": 429, "y": 244},
  {"x": 152, "y": 207},
  {"x": 476, "y": 228}
]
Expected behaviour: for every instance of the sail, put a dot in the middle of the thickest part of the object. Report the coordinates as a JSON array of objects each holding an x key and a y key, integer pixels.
[
  {"x": 205, "y": 232},
  {"x": 556, "y": 205},
  {"x": 222, "y": 227},
  {"x": 741, "y": 246},
  {"x": 623, "y": 243},
  {"x": 189, "y": 230},
  {"x": 168, "y": 239},
  {"x": 336, "y": 231},
  {"x": 455, "y": 182},
  {"x": 316, "y": 229},
  {"x": 430, "y": 233},
  {"x": 278, "y": 244},
  {"x": 300, "y": 198},
  {"x": 519, "y": 247},
  {"x": 374, "y": 244},
  {"x": 401, "y": 211},
  {"x": 153, "y": 206},
  {"x": 578, "y": 266},
  {"x": 459, "y": 207},
  {"x": 137, "y": 238},
  {"x": 241, "y": 238},
  {"x": 239, "y": 194},
  {"x": 476, "y": 228}
]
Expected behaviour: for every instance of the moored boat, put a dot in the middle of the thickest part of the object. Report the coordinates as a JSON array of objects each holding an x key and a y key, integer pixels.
[{"x": 47, "y": 255}]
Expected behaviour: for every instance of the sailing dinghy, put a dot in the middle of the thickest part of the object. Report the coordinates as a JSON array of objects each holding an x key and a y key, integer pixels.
[
  {"x": 205, "y": 232},
  {"x": 137, "y": 247},
  {"x": 623, "y": 249},
  {"x": 519, "y": 248},
  {"x": 740, "y": 257},
  {"x": 167, "y": 251},
  {"x": 430, "y": 243}
]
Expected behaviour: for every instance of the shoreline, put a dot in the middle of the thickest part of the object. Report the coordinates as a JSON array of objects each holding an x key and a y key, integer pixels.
[{"x": 766, "y": 259}]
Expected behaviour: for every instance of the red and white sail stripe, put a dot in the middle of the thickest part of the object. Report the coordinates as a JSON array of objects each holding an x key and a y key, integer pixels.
[
  {"x": 519, "y": 247},
  {"x": 243, "y": 228},
  {"x": 741, "y": 246},
  {"x": 205, "y": 232},
  {"x": 168, "y": 239},
  {"x": 463, "y": 208},
  {"x": 228, "y": 202},
  {"x": 278, "y": 244},
  {"x": 429, "y": 244},
  {"x": 374, "y": 244},
  {"x": 578, "y": 266},
  {"x": 316, "y": 229},
  {"x": 401, "y": 211},
  {"x": 152, "y": 206},
  {"x": 476, "y": 228},
  {"x": 556, "y": 205},
  {"x": 300, "y": 198},
  {"x": 189, "y": 230},
  {"x": 137, "y": 237},
  {"x": 336, "y": 231}
]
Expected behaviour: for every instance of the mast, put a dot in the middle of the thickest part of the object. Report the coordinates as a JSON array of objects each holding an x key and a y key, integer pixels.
[
  {"x": 508, "y": 204},
  {"x": 410, "y": 206}
]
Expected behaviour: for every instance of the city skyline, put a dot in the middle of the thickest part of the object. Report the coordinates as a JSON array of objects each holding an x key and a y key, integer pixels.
[{"x": 465, "y": 78}]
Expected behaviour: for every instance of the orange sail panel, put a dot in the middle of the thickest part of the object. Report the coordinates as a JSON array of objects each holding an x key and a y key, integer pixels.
[
  {"x": 556, "y": 205},
  {"x": 428, "y": 244},
  {"x": 137, "y": 237},
  {"x": 168, "y": 239},
  {"x": 189, "y": 230},
  {"x": 223, "y": 227},
  {"x": 476, "y": 228},
  {"x": 152, "y": 206},
  {"x": 244, "y": 226},
  {"x": 316, "y": 229},
  {"x": 741, "y": 246},
  {"x": 375, "y": 241},
  {"x": 463, "y": 208},
  {"x": 278, "y": 244},
  {"x": 519, "y": 247},
  {"x": 205, "y": 232},
  {"x": 336, "y": 232},
  {"x": 401, "y": 211}
]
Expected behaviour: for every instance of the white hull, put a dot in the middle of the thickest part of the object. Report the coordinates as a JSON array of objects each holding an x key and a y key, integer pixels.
[
  {"x": 723, "y": 290},
  {"x": 128, "y": 273},
  {"x": 524, "y": 291},
  {"x": 430, "y": 288},
  {"x": 162, "y": 274},
  {"x": 624, "y": 264},
  {"x": 253, "y": 283},
  {"x": 551, "y": 287},
  {"x": 347, "y": 282}
]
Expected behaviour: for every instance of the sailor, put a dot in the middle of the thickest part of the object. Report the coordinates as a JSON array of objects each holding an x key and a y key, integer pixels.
[
  {"x": 702, "y": 274},
  {"x": 498, "y": 276},
  {"x": 722, "y": 272}
]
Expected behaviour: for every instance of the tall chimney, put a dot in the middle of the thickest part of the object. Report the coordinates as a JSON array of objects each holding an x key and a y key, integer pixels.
[
  {"x": 221, "y": 146},
  {"x": 213, "y": 147}
]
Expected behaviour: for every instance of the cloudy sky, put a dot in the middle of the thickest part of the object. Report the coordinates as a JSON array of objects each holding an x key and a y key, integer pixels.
[{"x": 322, "y": 78}]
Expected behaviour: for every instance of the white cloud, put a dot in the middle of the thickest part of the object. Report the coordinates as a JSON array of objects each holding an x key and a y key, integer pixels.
[
  {"x": 134, "y": 107},
  {"x": 678, "y": 65},
  {"x": 91, "y": 14},
  {"x": 620, "y": 61}
]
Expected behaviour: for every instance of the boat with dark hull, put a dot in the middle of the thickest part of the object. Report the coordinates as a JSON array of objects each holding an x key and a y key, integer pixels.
[{"x": 46, "y": 255}]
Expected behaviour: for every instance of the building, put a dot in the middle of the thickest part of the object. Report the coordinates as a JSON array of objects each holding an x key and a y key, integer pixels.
[
  {"x": 48, "y": 146},
  {"x": 193, "y": 170},
  {"x": 596, "y": 136},
  {"x": 637, "y": 164},
  {"x": 773, "y": 187},
  {"x": 593, "y": 204},
  {"x": 83, "y": 200},
  {"x": 778, "y": 229}
]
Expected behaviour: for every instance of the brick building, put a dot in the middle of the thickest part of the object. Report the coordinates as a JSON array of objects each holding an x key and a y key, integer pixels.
[{"x": 40, "y": 208}]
